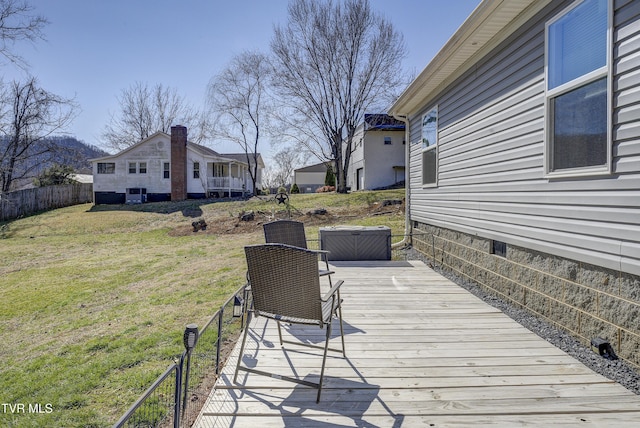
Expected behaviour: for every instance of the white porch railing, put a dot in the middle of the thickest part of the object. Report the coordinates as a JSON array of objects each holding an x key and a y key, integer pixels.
[{"x": 214, "y": 183}]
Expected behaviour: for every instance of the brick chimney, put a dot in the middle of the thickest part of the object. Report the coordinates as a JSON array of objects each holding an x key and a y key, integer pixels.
[{"x": 178, "y": 163}]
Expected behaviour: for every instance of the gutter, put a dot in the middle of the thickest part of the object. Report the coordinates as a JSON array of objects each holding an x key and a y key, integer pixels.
[{"x": 407, "y": 221}]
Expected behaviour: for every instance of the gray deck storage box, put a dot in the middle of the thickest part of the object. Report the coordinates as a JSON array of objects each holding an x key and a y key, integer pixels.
[{"x": 356, "y": 242}]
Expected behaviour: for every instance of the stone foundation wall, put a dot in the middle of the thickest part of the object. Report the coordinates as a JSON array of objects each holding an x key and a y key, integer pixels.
[{"x": 587, "y": 301}]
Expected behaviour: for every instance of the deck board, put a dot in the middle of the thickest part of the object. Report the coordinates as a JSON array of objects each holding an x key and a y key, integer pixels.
[{"x": 421, "y": 351}]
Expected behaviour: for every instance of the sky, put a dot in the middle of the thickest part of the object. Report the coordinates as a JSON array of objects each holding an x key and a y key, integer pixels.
[{"x": 95, "y": 49}]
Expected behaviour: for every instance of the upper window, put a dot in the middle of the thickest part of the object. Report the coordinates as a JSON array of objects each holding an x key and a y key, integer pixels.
[
  {"x": 430, "y": 147},
  {"x": 106, "y": 168},
  {"x": 387, "y": 141},
  {"x": 578, "y": 106},
  {"x": 137, "y": 167}
]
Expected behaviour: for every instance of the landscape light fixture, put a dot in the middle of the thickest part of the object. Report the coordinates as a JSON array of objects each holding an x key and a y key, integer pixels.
[
  {"x": 190, "y": 337},
  {"x": 238, "y": 306},
  {"x": 603, "y": 348}
]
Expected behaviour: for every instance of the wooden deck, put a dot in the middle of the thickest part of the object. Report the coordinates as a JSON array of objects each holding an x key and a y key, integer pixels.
[{"x": 421, "y": 351}]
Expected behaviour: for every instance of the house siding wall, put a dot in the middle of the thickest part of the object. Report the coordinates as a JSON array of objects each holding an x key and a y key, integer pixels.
[
  {"x": 380, "y": 159},
  {"x": 196, "y": 186},
  {"x": 491, "y": 156},
  {"x": 377, "y": 160},
  {"x": 154, "y": 152},
  {"x": 573, "y": 244},
  {"x": 356, "y": 162},
  {"x": 309, "y": 182}
]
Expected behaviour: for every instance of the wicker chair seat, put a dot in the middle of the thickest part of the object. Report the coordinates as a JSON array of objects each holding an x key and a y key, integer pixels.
[{"x": 327, "y": 313}]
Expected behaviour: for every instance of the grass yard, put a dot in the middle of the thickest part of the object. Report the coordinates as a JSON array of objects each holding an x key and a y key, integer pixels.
[{"x": 94, "y": 299}]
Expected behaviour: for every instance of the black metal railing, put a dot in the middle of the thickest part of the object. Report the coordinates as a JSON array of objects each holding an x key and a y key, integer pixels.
[{"x": 176, "y": 397}]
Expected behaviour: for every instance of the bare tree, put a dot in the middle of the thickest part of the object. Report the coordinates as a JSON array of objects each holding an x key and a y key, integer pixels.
[
  {"x": 284, "y": 162},
  {"x": 146, "y": 110},
  {"x": 28, "y": 115},
  {"x": 239, "y": 101},
  {"x": 18, "y": 23},
  {"x": 334, "y": 62}
]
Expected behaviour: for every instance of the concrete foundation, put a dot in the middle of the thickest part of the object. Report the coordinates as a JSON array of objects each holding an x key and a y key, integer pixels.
[{"x": 586, "y": 300}]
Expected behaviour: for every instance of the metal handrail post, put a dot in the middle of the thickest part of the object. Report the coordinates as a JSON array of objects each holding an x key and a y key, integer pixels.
[
  {"x": 186, "y": 383},
  {"x": 176, "y": 410},
  {"x": 219, "y": 340}
]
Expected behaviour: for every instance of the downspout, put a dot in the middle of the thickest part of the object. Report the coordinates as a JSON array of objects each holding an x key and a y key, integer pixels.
[{"x": 407, "y": 189}]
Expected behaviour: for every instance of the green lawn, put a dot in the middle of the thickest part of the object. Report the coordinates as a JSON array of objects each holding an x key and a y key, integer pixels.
[{"x": 94, "y": 300}]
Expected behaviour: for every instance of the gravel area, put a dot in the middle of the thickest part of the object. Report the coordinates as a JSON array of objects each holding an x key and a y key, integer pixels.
[{"x": 616, "y": 370}]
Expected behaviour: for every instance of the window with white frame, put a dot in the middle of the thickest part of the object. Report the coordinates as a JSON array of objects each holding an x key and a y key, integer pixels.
[
  {"x": 578, "y": 48},
  {"x": 166, "y": 170},
  {"x": 137, "y": 167},
  {"x": 196, "y": 170},
  {"x": 387, "y": 141},
  {"x": 106, "y": 168},
  {"x": 429, "y": 132}
]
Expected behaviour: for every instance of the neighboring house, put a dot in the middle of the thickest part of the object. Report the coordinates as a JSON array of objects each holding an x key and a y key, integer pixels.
[
  {"x": 524, "y": 172},
  {"x": 378, "y": 153},
  {"x": 166, "y": 167},
  {"x": 310, "y": 178}
]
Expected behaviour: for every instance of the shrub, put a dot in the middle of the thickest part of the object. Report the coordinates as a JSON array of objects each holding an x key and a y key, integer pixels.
[
  {"x": 330, "y": 177},
  {"x": 325, "y": 189},
  {"x": 294, "y": 188},
  {"x": 56, "y": 174}
]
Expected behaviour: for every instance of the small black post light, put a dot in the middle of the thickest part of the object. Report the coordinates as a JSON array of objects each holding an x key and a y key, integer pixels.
[
  {"x": 238, "y": 306},
  {"x": 190, "y": 337}
]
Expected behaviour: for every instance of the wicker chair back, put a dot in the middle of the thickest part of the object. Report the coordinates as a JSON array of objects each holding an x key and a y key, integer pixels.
[
  {"x": 289, "y": 232},
  {"x": 284, "y": 282}
]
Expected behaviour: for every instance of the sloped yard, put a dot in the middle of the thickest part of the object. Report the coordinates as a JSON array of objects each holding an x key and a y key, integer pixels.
[{"x": 94, "y": 300}]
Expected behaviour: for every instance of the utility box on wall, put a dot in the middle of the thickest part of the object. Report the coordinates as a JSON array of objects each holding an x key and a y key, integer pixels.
[
  {"x": 356, "y": 242},
  {"x": 136, "y": 195}
]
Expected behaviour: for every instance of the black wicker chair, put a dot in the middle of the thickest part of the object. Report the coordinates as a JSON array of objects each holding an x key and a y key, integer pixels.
[
  {"x": 285, "y": 286},
  {"x": 291, "y": 232}
]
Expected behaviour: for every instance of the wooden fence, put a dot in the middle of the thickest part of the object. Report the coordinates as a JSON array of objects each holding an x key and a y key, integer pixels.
[{"x": 29, "y": 201}]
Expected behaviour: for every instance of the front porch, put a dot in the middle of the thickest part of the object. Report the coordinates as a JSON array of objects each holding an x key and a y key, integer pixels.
[
  {"x": 227, "y": 179},
  {"x": 225, "y": 186},
  {"x": 420, "y": 351}
]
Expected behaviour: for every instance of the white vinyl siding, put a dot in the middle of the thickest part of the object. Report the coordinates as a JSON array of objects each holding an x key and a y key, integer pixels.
[{"x": 492, "y": 180}]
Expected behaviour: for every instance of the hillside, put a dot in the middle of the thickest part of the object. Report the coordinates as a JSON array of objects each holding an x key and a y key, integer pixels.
[{"x": 62, "y": 150}]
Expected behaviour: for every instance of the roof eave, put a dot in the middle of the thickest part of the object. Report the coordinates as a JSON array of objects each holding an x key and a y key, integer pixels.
[{"x": 487, "y": 26}]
